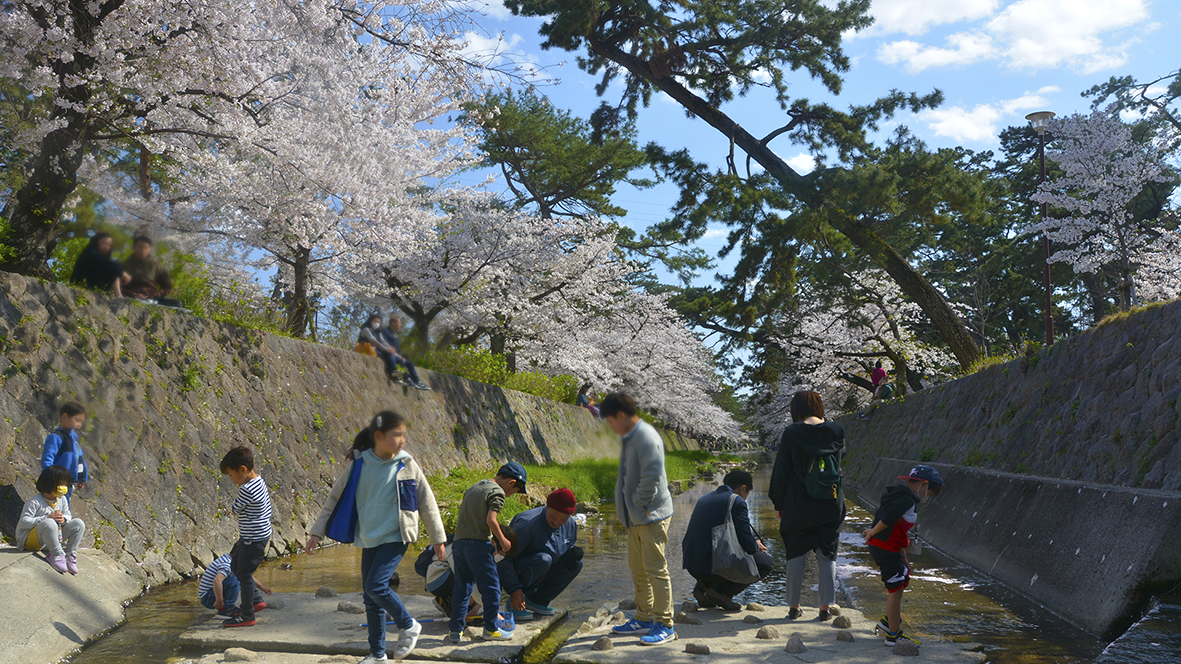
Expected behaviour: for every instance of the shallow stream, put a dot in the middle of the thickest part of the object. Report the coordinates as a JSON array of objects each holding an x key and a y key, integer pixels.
[{"x": 945, "y": 600}]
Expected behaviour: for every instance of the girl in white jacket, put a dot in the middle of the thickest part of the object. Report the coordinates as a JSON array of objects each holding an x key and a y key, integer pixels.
[
  {"x": 391, "y": 494},
  {"x": 46, "y": 521}
]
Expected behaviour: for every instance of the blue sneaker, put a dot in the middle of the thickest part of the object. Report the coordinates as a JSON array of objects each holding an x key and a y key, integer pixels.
[
  {"x": 633, "y": 626},
  {"x": 539, "y": 609},
  {"x": 659, "y": 634},
  {"x": 498, "y": 635},
  {"x": 522, "y": 616},
  {"x": 455, "y": 637}
]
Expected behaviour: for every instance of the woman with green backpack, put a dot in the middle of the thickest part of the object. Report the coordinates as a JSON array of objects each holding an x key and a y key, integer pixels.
[{"x": 808, "y": 498}]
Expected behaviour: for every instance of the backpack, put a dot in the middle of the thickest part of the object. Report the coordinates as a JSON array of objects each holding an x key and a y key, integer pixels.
[{"x": 822, "y": 479}]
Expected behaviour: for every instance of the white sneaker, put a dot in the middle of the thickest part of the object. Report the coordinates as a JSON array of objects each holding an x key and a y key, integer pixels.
[
  {"x": 407, "y": 639},
  {"x": 374, "y": 659}
]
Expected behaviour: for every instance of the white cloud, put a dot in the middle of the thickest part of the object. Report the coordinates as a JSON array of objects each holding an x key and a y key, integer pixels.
[
  {"x": 802, "y": 163},
  {"x": 981, "y": 123},
  {"x": 1053, "y": 33},
  {"x": 1085, "y": 35},
  {"x": 963, "y": 48},
  {"x": 714, "y": 233},
  {"x": 916, "y": 17}
]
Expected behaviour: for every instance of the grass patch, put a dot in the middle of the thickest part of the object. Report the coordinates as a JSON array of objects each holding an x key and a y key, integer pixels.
[
  {"x": 1124, "y": 315},
  {"x": 986, "y": 362},
  {"x": 591, "y": 480}
]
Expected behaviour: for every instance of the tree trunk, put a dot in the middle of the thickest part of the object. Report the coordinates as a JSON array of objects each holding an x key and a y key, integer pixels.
[
  {"x": 1093, "y": 284},
  {"x": 34, "y": 211},
  {"x": 949, "y": 325},
  {"x": 297, "y": 304}
]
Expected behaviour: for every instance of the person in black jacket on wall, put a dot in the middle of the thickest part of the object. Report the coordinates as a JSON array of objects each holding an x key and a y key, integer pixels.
[
  {"x": 96, "y": 269},
  {"x": 697, "y": 547},
  {"x": 807, "y": 523}
]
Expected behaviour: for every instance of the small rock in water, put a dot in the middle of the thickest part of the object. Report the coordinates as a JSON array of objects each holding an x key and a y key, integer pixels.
[
  {"x": 286, "y": 567},
  {"x": 241, "y": 655},
  {"x": 350, "y": 607},
  {"x": 906, "y": 648},
  {"x": 834, "y": 610},
  {"x": 325, "y": 591},
  {"x": 767, "y": 632},
  {"x": 183, "y": 602},
  {"x": 627, "y": 605},
  {"x": 618, "y": 618},
  {"x": 842, "y": 622},
  {"x": 687, "y": 618},
  {"x": 752, "y": 620},
  {"x": 585, "y": 628},
  {"x": 689, "y": 607},
  {"x": 845, "y": 636},
  {"x": 602, "y": 612},
  {"x": 696, "y": 649},
  {"x": 795, "y": 645},
  {"x": 604, "y": 643},
  {"x": 584, "y": 507},
  {"x": 755, "y": 606}
]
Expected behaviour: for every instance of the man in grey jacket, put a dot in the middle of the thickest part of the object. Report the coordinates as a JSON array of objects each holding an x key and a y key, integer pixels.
[{"x": 645, "y": 507}]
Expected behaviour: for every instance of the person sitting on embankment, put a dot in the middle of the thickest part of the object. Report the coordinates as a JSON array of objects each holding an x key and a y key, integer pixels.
[
  {"x": 45, "y": 521},
  {"x": 547, "y": 559}
]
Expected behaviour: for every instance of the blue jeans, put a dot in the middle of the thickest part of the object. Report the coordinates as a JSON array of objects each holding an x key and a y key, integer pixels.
[
  {"x": 542, "y": 578},
  {"x": 229, "y": 594},
  {"x": 377, "y": 566},
  {"x": 474, "y": 565}
]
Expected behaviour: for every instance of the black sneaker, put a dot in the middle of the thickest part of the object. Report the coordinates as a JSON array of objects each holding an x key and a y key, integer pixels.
[
  {"x": 727, "y": 603},
  {"x": 699, "y": 595},
  {"x": 228, "y": 612},
  {"x": 238, "y": 621}
]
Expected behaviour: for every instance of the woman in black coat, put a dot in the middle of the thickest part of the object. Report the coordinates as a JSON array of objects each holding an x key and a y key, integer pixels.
[
  {"x": 96, "y": 269},
  {"x": 807, "y": 523}
]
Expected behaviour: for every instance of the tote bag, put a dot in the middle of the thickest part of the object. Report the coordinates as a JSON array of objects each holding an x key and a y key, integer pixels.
[
  {"x": 729, "y": 560},
  {"x": 343, "y": 522}
]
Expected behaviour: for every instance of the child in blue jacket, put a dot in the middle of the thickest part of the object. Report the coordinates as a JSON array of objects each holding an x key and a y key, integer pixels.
[{"x": 62, "y": 447}]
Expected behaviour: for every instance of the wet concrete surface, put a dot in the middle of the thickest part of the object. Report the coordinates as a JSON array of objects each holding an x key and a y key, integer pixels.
[{"x": 305, "y": 623}]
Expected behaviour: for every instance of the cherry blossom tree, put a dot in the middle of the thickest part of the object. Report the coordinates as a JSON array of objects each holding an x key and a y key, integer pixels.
[
  {"x": 1159, "y": 274},
  {"x": 171, "y": 77},
  {"x": 834, "y": 340},
  {"x": 1104, "y": 172}
]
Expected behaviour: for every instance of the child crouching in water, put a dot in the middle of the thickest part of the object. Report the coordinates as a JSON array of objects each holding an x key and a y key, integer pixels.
[
  {"x": 887, "y": 539},
  {"x": 46, "y": 521},
  {"x": 391, "y": 493}
]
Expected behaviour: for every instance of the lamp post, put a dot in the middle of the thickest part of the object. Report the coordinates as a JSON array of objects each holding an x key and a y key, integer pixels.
[{"x": 1040, "y": 120}]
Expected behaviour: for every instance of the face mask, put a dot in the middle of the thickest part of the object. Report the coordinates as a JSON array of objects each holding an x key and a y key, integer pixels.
[
  {"x": 376, "y": 326},
  {"x": 61, "y": 490}
]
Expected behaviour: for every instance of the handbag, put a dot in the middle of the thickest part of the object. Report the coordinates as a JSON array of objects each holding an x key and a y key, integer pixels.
[
  {"x": 365, "y": 348},
  {"x": 343, "y": 522},
  {"x": 729, "y": 560}
]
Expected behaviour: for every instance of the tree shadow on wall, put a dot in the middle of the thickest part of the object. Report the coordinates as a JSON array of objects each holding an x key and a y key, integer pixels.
[
  {"x": 482, "y": 412},
  {"x": 10, "y": 509}
]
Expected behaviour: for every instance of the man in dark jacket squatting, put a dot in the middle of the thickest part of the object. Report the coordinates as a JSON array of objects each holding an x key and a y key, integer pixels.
[
  {"x": 547, "y": 559},
  {"x": 697, "y": 547}
]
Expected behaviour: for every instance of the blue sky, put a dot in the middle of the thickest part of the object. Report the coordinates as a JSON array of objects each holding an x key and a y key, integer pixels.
[{"x": 994, "y": 60}]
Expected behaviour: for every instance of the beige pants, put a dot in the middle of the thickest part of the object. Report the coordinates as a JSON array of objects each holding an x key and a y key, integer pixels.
[{"x": 649, "y": 567}]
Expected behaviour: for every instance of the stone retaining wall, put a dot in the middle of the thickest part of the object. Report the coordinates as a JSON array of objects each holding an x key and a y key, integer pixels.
[
  {"x": 1099, "y": 407},
  {"x": 1092, "y": 553},
  {"x": 168, "y": 393}
]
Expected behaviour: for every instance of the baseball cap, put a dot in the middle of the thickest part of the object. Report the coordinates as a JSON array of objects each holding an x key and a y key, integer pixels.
[
  {"x": 513, "y": 470},
  {"x": 922, "y": 472},
  {"x": 562, "y": 500}
]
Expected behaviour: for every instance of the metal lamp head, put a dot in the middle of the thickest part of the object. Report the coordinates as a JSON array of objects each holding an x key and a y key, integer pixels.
[{"x": 1040, "y": 120}]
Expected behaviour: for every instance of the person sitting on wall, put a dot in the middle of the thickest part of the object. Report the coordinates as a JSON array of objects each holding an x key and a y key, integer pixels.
[
  {"x": 547, "y": 559},
  {"x": 399, "y": 359},
  {"x": 149, "y": 279},
  {"x": 883, "y": 390},
  {"x": 697, "y": 547},
  {"x": 96, "y": 269},
  {"x": 586, "y": 402}
]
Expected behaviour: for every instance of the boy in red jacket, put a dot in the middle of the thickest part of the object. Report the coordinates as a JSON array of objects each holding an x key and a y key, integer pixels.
[{"x": 887, "y": 539}]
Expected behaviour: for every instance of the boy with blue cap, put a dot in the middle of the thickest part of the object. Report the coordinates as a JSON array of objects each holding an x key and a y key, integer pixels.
[
  {"x": 474, "y": 550},
  {"x": 887, "y": 539}
]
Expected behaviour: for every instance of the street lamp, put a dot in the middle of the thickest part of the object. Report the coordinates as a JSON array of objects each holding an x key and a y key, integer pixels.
[{"x": 1040, "y": 120}]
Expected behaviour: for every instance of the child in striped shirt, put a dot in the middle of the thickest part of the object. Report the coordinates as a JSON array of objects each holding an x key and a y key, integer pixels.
[
  {"x": 253, "y": 508},
  {"x": 219, "y": 590}
]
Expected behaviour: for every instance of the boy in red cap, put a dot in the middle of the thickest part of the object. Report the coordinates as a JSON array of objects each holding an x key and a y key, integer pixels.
[
  {"x": 547, "y": 559},
  {"x": 887, "y": 539}
]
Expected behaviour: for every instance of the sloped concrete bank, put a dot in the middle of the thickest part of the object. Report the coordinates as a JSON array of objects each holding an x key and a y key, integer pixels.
[
  {"x": 168, "y": 393},
  {"x": 1102, "y": 406},
  {"x": 1090, "y": 552}
]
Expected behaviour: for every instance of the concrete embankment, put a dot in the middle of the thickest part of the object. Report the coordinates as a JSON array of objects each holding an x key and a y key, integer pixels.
[
  {"x": 168, "y": 393},
  {"x": 46, "y": 615},
  {"x": 1089, "y": 552}
]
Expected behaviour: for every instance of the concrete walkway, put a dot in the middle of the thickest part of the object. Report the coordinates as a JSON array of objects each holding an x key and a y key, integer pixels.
[
  {"x": 308, "y": 624},
  {"x": 46, "y": 615},
  {"x": 730, "y": 638}
]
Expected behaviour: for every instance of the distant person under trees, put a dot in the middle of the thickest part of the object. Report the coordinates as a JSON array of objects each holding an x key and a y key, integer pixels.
[
  {"x": 149, "y": 278},
  {"x": 96, "y": 269},
  {"x": 390, "y": 337},
  {"x": 883, "y": 390},
  {"x": 586, "y": 402}
]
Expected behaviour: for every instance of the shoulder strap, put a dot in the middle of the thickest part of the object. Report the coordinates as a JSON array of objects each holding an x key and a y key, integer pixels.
[{"x": 730, "y": 508}]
